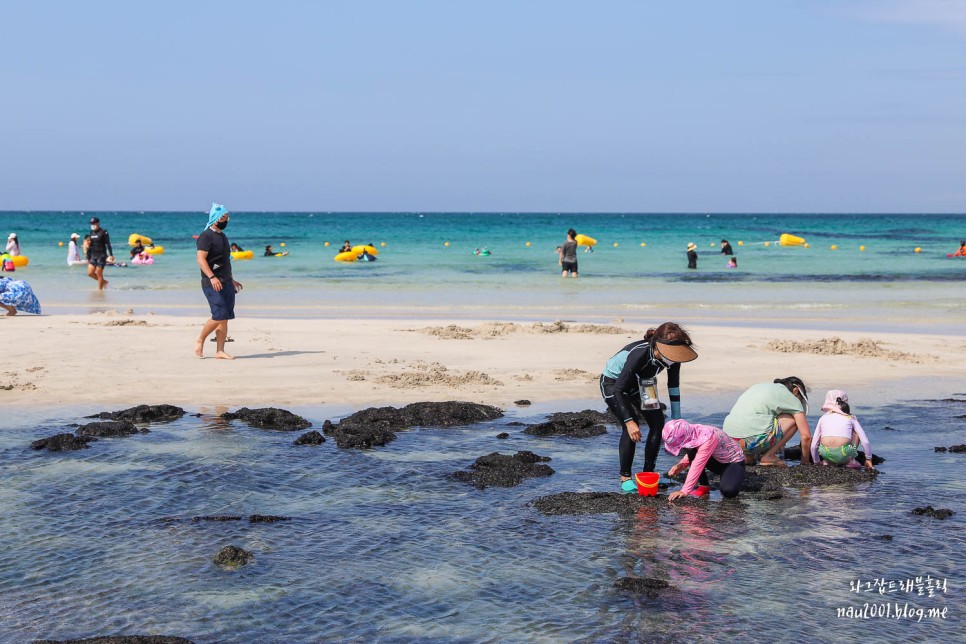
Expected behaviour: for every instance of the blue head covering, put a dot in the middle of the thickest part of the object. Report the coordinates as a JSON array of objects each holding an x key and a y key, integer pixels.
[{"x": 216, "y": 212}]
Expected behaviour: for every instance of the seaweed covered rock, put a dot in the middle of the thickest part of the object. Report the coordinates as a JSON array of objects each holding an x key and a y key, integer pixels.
[
  {"x": 267, "y": 518},
  {"x": 374, "y": 426},
  {"x": 936, "y": 513},
  {"x": 642, "y": 585},
  {"x": 579, "y": 424},
  {"x": 269, "y": 418},
  {"x": 503, "y": 470},
  {"x": 604, "y": 502},
  {"x": 121, "y": 639},
  {"x": 805, "y": 475},
  {"x": 310, "y": 438},
  {"x": 502, "y": 435},
  {"x": 955, "y": 449},
  {"x": 62, "y": 443},
  {"x": 143, "y": 414},
  {"x": 232, "y": 557},
  {"x": 110, "y": 429},
  {"x": 523, "y": 402}
]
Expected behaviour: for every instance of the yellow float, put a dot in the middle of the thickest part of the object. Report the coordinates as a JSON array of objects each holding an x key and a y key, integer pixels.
[
  {"x": 133, "y": 238},
  {"x": 584, "y": 240},
  {"x": 18, "y": 260},
  {"x": 156, "y": 250},
  {"x": 241, "y": 254},
  {"x": 790, "y": 240},
  {"x": 369, "y": 249},
  {"x": 347, "y": 256}
]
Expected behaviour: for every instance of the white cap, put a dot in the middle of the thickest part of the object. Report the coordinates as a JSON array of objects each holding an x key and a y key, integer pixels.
[
  {"x": 12, "y": 235},
  {"x": 74, "y": 236}
]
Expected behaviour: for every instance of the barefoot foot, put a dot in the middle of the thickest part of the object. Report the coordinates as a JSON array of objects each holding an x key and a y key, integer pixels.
[
  {"x": 772, "y": 462},
  {"x": 221, "y": 355},
  {"x": 200, "y": 348}
]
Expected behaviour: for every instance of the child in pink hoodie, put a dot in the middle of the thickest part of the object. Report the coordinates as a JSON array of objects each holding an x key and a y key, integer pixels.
[{"x": 705, "y": 447}]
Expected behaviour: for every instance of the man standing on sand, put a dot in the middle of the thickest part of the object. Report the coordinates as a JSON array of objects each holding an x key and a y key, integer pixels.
[
  {"x": 214, "y": 259},
  {"x": 99, "y": 253}
]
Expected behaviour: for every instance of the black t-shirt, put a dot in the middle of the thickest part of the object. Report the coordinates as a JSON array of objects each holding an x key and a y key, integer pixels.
[
  {"x": 219, "y": 255},
  {"x": 100, "y": 244}
]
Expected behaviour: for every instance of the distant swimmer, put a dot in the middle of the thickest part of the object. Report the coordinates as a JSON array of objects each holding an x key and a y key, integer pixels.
[
  {"x": 692, "y": 256},
  {"x": 346, "y": 247},
  {"x": 726, "y": 247},
  {"x": 235, "y": 248},
  {"x": 962, "y": 249},
  {"x": 733, "y": 262},
  {"x": 270, "y": 252},
  {"x": 138, "y": 248},
  {"x": 568, "y": 255}
]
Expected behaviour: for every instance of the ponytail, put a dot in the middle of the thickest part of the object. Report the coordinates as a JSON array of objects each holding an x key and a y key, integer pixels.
[
  {"x": 791, "y": 382},
  {"x": 844, "y": 406}
]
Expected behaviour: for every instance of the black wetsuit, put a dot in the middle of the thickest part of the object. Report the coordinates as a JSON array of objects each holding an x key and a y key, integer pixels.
[
  {"x": 620, "y": 387},
  {"x": 726, "y": 249},
  {"x": 692, "y": 259},
  {"x": 100, "y": 248}
]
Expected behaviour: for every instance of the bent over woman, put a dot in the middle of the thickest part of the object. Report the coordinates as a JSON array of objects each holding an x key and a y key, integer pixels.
[{"x": 663, "y": 348}]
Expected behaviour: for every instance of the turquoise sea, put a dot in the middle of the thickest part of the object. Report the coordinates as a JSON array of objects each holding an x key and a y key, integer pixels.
[{"x": 418, "y": 275}]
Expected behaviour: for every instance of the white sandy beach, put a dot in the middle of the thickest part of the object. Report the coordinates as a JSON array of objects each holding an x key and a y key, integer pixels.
[{"x": 118, "y": 359}]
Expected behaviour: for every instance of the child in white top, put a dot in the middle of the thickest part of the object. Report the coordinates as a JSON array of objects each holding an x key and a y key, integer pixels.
[{"x": 838, "y": 433}]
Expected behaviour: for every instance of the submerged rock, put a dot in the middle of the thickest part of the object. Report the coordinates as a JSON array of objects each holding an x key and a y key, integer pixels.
[
  {"x": 521, "y": 403},
  {"x": 504, "y": 470},
  {"x": 143, "y": 414},
  {"x": 936, "y": 513},
  {"x": 266, "y": 518},
  {"x": 955, "y": 449},
  {"x": 110, "y": 429},
  {"x": 758, "y": 477},
  {"x": 582, "y": 424},
  {"x": 604, "y": 502},
  {"x": 122, "y": 639},
  {"x": 232, "y": 557},
  {"x": 269, "y": 418},
  {"x": 502, "y": 435},
  {"x": 310, "y": 438},
  {"x": 62, "y": 443},
  {"x": 218, "y": 517},
  {"x": 642, "y": 585},
  {"x": 374, "y": 426}
]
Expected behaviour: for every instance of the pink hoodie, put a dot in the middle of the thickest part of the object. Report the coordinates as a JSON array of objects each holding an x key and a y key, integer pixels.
[{"x": 711, "y": 442}]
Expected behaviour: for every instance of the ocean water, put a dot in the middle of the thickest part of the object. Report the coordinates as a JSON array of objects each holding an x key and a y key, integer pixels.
[
  {"x": 384, "y": 546},
  {"x": 419, "y": 275}
]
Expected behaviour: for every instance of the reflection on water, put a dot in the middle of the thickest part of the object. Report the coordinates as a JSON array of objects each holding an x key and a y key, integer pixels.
[{"x": 383, "y": 544}]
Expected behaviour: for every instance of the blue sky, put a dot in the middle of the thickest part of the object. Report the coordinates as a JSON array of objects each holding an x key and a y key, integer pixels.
[{"x": 767, "y": 106}]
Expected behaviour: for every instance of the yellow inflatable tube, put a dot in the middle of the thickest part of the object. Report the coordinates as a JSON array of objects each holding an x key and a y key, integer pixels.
[
  {"x": 20, "y": 260},
  {"x": 155, "y": 250},
  {"x": 790, "y": 240},
  {"x": 369, "y": 249},
  {"x": 242, "y": 254},
  {"x": 132, "y": 240},
  {"x": 347, "y": 256},
  {"x": 584, "y": 240}
]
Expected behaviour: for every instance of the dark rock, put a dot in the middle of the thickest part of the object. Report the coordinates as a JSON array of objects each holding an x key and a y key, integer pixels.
[
  {"x": 758, "y": 477},
  {"x": 310, "y": 438},
  {"x": 642, "y": 585},
  {"x": 516, "y": 423},
  {"x": 503, "y": 470},
  {"x": 269, "y": 418},
  {"x": 957, "y": 449},
  {"x": 936, "y": 513},
  {"x": 266, "y": 518},
  {"x": 110, "y": 429},
  {"x": 122, "y": 639},
  {"x": 522, "y": 403},
  {"x": 961, "y": 416},
  {"x": 884, "y": 537},
  {"x": 889, "y": 429},
  {"x": 939, "y": 449},
  {"x": 62, "y": 443},
  {"x": 143, "y": 414},
  {"x": 232, "y": 557},
  {"x": 217, "y": 517},
  {"x": 503, "y": 435},
  {"x": 374, "y": 426},
  {"x": 327, "y": 426},
  {"x": 581, "y": 424},
  {"x": 604, "y": 502}
]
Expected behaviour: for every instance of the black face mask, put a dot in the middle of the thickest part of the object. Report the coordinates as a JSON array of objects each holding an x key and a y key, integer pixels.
[{"x": 221, "y": 225}]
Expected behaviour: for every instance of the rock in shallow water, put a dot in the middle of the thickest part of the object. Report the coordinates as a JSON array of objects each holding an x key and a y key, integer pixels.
[
  {"x": 232, "y": 557},
  {"x": 374, "y": 426},
  {"x": 62, "y": 443},
  {"x": 580, "y": 424},
  {"x": 642, "y": 585},
  {"x": 110, "y": 429},
  {"x": 504, "y": 470},
  {"x": 794, "y": 453},
  {"x": 310, "y": 438},
  {"x": 122, "y": 639},
  {"x": 269, "y": 418},
  {"x": 936, "y": 513},
  {"x": 143, "y": 414}
]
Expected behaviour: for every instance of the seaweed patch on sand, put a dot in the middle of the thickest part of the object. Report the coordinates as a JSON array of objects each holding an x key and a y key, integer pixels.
[
  {"x": 835, "y": 346},
  {"x": 436, "y": 374},
  {"x": 492, "y": 330}
]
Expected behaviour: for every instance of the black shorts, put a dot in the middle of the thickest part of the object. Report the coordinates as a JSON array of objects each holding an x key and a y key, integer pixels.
[
  {"x": 569, "y": 266},
  {"x": 221, "y": 303},
  {"x": 98, "y": 261}
]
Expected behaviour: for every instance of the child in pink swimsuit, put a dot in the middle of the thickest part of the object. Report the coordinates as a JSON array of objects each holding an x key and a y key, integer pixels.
[
  {"x": 838, "y": 433},
  {"x": 705, "y": 447}
]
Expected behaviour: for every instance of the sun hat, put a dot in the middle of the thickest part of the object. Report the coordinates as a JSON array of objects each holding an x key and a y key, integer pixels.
[
  {"x": 831, "y": 403},
  {"x": 675, "y": 350},
  {"x": 691, "y": 246},
  {"x": 12, "y": 236},
  {"x": 74, "y": 236},
  {"x": 679, "y": 434}
]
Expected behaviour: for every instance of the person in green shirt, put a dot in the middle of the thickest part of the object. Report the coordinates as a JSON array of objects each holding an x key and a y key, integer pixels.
[{"x": 766, "y": 416}]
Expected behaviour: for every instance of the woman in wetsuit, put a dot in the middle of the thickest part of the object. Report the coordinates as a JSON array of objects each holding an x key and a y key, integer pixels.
[{"x": 663, "y": 348}]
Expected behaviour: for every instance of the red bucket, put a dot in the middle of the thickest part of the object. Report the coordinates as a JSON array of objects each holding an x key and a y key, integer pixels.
[{"x": 647, "y": 483}]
